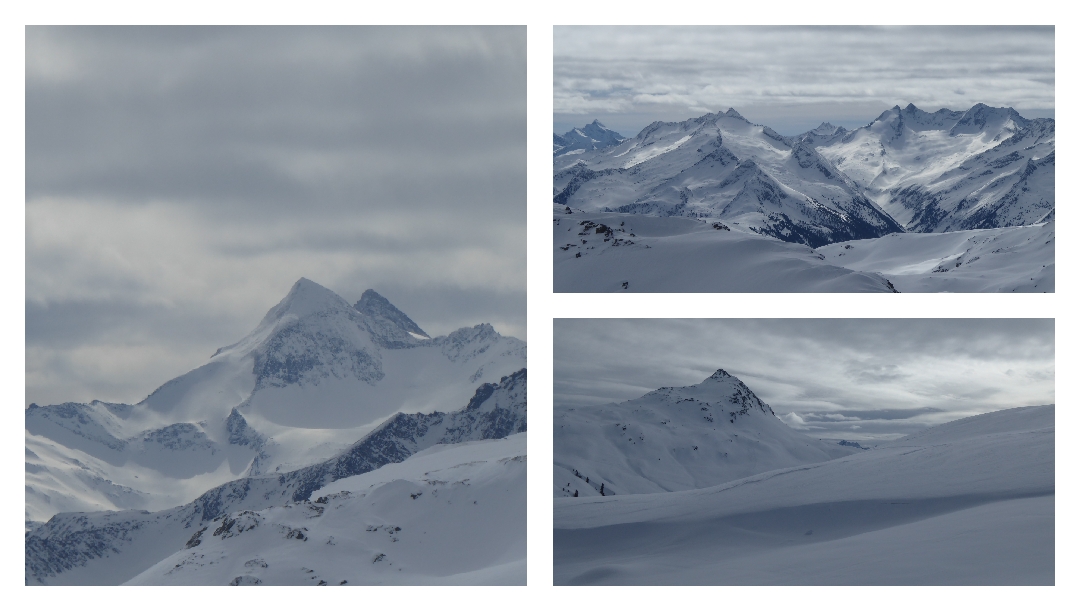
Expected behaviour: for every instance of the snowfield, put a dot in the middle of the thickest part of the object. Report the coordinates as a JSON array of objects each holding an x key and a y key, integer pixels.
[
  {"x": 676, "y": 255},
  {"x": 970, "y": 502},
  {"x": 1003, "y": 260}
]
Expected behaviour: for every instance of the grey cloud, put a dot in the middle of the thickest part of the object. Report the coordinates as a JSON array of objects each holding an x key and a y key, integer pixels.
[
  {"x": 789, "y": 77},
  {"x": 873, "y": 373},
  {"x": 180, "y": 179}
]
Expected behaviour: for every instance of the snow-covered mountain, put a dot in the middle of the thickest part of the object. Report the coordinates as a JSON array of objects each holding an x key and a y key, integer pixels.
[
  {"x": 114, "y": 547},
  {"x": 822, "y": 134},
  {"x": 907, "y": 171},
  {"x": 589, "y": 138},
  {"x": 950, "y": 170},
  {"x": 970, "y": 502},
  {"x": 721, "y": 166},
  {"x": 677, "y": 439},
  {"x": 313, "y": 377}
]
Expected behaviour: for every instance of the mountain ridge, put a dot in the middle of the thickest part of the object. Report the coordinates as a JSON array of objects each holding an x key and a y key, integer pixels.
[
  {"x": 676, "y": 438},
  {"x": 237, "y": 413}
]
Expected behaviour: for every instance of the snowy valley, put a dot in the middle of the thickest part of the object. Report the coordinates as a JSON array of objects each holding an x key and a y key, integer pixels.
[
  {"x": 755, "y": 201},
  {"x": 351, "y": 402},
  {"x": 704, "y": 485}
]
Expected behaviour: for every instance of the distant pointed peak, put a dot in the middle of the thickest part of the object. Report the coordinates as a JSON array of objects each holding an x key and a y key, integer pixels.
[
  {"x": 303, "y": 299},
  {"x": 910, "y": 107},
  {"x": 597, "y": 123},
  {"x": 376, "y": 306},
  {"x": 731, "y": 112},
  {"x": 720, "y": 375},
  {"x": 305, "y": 293}
]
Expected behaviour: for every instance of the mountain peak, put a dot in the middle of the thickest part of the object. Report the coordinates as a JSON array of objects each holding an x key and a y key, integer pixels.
[
  {"x": 720, "y": 375},
  {"x": 306, "y": 298},
  {"x": 731, "y": 112},
  {"x": 380, "y": 308}
]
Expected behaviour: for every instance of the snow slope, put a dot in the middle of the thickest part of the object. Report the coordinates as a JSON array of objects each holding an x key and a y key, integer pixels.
[
  {"x": 112, "y": 547},
  {"x": 677, "y": 439},
  {"x": 313, "y": 377},
  {"x": 1008, "y": 259},
  {"x": 446, "y": 516},
  {"x": 722, "y": 167},
  {"x": 666, "y": 254},
  {"x": 970, "y": 502}
]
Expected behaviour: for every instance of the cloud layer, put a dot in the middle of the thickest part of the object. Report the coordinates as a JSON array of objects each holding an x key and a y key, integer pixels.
[
  {"x": 792, "y": 78},
  {"x": 179, "y": 180},
  {"x": 851, "y": 378}
]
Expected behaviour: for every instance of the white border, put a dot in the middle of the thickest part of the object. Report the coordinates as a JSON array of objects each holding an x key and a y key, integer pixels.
[{"x": 543, "y": 306}]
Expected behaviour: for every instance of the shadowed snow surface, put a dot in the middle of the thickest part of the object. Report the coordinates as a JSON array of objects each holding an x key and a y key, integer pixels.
[{"x": 970, "y": 502}]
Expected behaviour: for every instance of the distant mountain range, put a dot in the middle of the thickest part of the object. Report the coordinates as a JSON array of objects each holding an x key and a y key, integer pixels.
[
  {"x": 589, "y": 138},
  {"x": 908, "y": 170},
  {"x": 321, "y": 390},
  {"x": 972, "y": 182}
]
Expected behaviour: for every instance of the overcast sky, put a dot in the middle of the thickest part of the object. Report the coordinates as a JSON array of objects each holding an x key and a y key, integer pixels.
[
  {"x": 179, "y": 180},
  {"x": 834, "y": 378},
  {"x": 793, "y": 78}
]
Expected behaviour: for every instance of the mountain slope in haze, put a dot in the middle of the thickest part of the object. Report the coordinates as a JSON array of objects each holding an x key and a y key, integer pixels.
[
  {"x": 112, "y": 547},
  {"x": 677, "y": 439},
  {"x": 313, "y": 377},
  {"x": 951, "y": 170},
  {"x": 970, "y": 502},
  {"x": 721, "y": 166},
  {"x": 589, "y": 138}
]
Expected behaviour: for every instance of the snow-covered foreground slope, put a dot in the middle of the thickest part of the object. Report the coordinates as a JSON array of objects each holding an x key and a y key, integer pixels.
[
  {"x": 598, "y": 252},
  {"x": 449, "y": 515},
  {"x": 968, "y": 502},
  {"x": 1007, "y": 259},
  {"x": 112, "y": 547},
  {"x": 316, "y": 374},
  {"x": 677, "y": 439}
]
